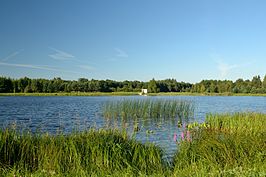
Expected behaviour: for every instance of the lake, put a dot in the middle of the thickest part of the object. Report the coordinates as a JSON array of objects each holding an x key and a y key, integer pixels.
[{"x": 67, "y": 113}]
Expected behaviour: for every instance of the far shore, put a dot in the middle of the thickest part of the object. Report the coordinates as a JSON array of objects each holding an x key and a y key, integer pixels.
[{"x": 128, "y": 94}]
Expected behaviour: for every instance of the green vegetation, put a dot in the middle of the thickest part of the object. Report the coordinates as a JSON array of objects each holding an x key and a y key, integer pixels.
[
  {"x": 225, "y": 145},
  {"x": 97, "y": 153},
  {"x": 131, "y": 94},
  {"x": 255, "y": 86},
  {"x": 148, "y": 109},
  {"x": 27, "y": 85},
  {"x": 73, "y": 94},
  {"x": 204, "y": 94},
  {"x": 89, "y": 87}
]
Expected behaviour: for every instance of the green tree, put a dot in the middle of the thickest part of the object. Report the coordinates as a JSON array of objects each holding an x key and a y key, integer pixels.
[
  {"x": 213, "y": 87},
  {"x": 82, "y": 80},
  {"x": 23, "y": 83},
  {"x": 256, "y": 82},
  {"x": 57, "y": 84},
  {"x": 15, "y": 86},
  {"x": 6, "y": 85},
  {"x": 202, "y": 88},
  {"x": 36, "y": 86},
  {"x": 152, "y": 86},
  {"x": 264, "y": 82},
  {"x": 239, "y": 86}
]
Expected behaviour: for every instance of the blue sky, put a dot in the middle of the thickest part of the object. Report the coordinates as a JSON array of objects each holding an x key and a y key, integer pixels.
[{"x": 188, "y": 40}]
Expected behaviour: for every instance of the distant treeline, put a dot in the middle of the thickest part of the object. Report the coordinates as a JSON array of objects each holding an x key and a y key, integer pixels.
[
  {"x": 27, "y": 85},
  {"x": 256, "y": 85}
]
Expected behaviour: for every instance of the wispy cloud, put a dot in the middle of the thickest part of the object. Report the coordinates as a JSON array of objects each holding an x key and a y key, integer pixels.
[
  {"x": 224, "y": 68},
  {"x": 42, "y": 67},
  {"x": 121, "y": 53},
  {"x": 61, "y": 55},
  {"x": 86, "y": 67},
  {"x": 58, "y": 55},
  {"x": 12, "y": 55}
]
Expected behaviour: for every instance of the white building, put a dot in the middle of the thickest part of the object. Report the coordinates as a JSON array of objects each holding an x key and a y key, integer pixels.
[{"x": 144, "y": 91}]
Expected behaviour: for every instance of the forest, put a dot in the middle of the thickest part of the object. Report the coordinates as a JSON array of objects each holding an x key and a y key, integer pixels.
[{"x": 27, "y": 85}]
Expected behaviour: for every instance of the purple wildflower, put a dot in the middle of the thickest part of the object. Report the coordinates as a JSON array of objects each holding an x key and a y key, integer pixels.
[
  {"x": 182, "y": 136},
  {"x": 175, "y": 137}
]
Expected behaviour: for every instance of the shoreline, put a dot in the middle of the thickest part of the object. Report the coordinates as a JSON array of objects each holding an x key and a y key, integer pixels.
[
  {"x": 230, "y": 144},
  {"x": 128, "y": 94}
]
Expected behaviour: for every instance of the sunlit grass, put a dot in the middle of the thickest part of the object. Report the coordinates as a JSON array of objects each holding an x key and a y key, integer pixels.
[
  {"x": 224, "y": 145},
  {"x": 227, "y": 144},
  {"x": 102, "y": 152}
]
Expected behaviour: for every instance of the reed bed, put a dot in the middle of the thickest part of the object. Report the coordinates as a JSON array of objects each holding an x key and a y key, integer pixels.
[
  {"x": 148, "y": 109},
  {"x": 225, "y": 145},
  {"x": 94, "y": 152}
]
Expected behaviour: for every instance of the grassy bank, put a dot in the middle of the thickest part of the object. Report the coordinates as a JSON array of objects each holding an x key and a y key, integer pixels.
[
  {"x": 225, "y": 145},
  {"x": 99, "y": 153},
  {"x": 202, "y": 94},
  {"x": 128, "y": 94}
]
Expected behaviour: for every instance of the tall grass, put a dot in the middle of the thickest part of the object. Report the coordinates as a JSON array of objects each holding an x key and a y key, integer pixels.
[
  {"x": 99, "y": 153},
  {"x": 226, "y": 145},
  {"x": 148, "y": 109}
]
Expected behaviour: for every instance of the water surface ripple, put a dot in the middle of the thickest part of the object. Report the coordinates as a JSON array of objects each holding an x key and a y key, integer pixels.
[{"x": 67, "y": 113}]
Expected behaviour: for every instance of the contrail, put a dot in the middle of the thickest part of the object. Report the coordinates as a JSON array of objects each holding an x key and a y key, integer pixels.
[
  {"x": 36, "y": 67},
  {"x": 12, "y": 55}
]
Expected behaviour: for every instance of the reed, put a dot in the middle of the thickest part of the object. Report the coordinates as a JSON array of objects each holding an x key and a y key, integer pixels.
[
  {"x": 94, "y": 152},
  {"x": 226, "y": 145},
  {"x": 148, "y": 109}
]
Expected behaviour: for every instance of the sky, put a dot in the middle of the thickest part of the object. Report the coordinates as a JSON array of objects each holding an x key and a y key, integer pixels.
[{"x": 188, "y": 40}]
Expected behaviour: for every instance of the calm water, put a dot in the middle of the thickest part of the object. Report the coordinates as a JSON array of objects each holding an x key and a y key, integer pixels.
[{"x": 64, "y": 114}]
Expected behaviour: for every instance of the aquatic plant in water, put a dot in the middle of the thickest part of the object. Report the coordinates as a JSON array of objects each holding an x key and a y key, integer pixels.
[
  {"x": 225, "y": 145},
  {"x": 156, "y": 109}
]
